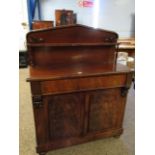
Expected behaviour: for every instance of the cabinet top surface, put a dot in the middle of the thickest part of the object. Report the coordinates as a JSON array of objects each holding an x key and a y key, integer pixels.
[{"x": 37, "y": 74}]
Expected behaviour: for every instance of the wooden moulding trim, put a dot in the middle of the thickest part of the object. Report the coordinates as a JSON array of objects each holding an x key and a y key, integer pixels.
[
  {"x": 70, "y": 44},
  {"x": 76, "y": 76},
  {"x": 73, "y": 25},
  {"x": 82, "y": 90},
  {"x": 78, "y": 140}
]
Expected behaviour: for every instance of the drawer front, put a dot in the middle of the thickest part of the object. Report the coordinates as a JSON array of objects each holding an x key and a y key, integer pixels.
[{"x": 86, "y": 83}]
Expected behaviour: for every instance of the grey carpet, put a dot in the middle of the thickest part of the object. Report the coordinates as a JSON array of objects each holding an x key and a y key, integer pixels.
[{"x": 109, "y": 146}]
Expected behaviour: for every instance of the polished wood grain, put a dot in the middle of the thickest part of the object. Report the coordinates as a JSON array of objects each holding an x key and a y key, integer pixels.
[
  {"x": 105, "y": 108},
  {"x": 78, "y": 140},
  {"x": 48, "y": 57},
  {"x": 65, "y": 115},
  {"x": 78, "y": 90},
  {"x": 72, "y": 34},
  {"x": 73, "y": 71},
  {"x": 92, "y": 46},
  {"x": 79, "y": 84}
]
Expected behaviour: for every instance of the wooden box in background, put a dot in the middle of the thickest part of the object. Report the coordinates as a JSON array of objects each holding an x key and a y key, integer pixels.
[
  {"x": 65, "y": 17},
  {"x": 42, "y": 24},
  {"x": 127, "y": 45}
]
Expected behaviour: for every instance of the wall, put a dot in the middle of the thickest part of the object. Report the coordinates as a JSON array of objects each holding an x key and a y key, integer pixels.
[
  {"x": 116, "y": 15},
  {"x": 23, "y": 27}
]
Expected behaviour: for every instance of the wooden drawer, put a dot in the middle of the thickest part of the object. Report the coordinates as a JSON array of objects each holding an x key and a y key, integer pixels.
[{"x": 86, "y": 83}]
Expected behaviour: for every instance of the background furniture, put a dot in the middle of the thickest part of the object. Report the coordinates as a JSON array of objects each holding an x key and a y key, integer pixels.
[
  {"x": 127, "y": 45},
  {"x": 23, "y": 59},
  {"x": 65, "y": 17},
  {"x": 78, "y": 91},
  {"x": 41, "y": 24}
]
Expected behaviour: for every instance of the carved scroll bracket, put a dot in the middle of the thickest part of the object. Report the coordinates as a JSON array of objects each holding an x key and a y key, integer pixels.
[
  {"x": 30, "y": 57},
  {"x": 37, "y": 101},
  {"x": 124, "y": 91}
]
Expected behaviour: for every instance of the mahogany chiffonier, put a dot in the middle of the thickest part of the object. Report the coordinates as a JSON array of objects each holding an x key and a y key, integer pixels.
[{"x": 78, "y": 91}]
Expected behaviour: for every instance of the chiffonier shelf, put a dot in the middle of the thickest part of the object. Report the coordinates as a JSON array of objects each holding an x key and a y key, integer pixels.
[{"x": 78, "y": 91}]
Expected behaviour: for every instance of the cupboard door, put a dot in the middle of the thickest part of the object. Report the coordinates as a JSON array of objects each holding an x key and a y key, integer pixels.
[
  {"x": 65, "y": 116},
  {"x": 106, "y": 110}
]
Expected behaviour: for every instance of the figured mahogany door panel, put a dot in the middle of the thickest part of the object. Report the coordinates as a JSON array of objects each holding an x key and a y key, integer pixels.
[
  {"x": 65, "y": 116},
  {"x": 106, "y": 109}
]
